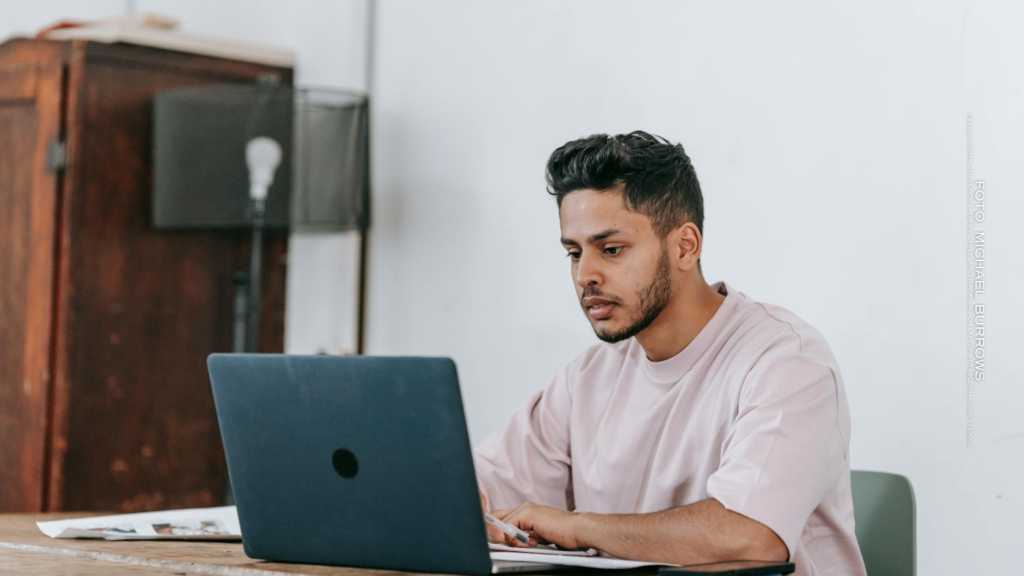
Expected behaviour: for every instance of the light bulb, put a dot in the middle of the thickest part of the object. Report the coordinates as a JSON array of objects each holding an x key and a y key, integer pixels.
[{"x": 263, "y": 155}]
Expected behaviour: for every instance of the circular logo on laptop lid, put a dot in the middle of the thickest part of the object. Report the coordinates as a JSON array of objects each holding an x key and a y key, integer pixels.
[{"x": 345, "y": 463}]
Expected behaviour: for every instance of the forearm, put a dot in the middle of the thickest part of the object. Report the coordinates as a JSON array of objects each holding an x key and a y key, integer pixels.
[{"x": 704, "y": 531}]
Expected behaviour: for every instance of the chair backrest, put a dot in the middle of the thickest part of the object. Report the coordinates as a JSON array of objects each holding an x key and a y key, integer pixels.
[{"x": 883, "y": 508}]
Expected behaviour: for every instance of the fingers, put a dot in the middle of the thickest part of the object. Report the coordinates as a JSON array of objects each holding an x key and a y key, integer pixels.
[
  {"x": 516, "y": 517},
  {"x": 510, "y": 541},
  {"x": 520, "y": 517},
  {"x": 505, "y": 513},
  {"x": 494, "y": 535},
  {"x": 501, "y": 514},
  {"x": 497, "y": 536}
]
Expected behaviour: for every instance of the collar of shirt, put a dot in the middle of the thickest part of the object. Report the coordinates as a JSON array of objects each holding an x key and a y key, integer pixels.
[{"x": 672, "y": 369}]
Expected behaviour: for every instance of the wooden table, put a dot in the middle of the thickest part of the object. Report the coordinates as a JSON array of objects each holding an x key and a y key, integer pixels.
[{"x": 26, "y": 550}]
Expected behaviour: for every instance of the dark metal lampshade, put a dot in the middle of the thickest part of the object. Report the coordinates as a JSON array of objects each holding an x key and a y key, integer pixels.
[{"x": 201, "y": 179}]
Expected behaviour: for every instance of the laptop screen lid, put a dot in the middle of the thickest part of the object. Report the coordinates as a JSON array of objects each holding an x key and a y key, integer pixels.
[{"x": 351, "y": 460}]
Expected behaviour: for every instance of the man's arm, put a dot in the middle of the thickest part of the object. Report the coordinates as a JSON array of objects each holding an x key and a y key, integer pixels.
[
  {"x": 529, "y": 459},
  {"x": 704, "y": 531}
]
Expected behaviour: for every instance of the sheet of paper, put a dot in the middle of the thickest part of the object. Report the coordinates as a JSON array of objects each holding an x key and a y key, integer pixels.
[
  {"x": 220, "y": 523},
  {"x": 540, "y": 550},
  {"x": 581, "y": 561}
]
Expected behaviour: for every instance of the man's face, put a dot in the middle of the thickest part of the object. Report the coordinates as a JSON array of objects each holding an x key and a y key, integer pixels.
[{"x": 619, "y": 265}]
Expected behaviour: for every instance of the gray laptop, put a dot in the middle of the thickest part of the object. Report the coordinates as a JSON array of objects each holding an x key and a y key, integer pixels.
[{"x": 352, "y": 461}]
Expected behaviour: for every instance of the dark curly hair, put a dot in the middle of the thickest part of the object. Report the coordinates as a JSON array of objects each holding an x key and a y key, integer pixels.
[{"x": 654, "y": 175}]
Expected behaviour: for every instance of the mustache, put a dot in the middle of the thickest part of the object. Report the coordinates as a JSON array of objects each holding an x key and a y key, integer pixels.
[{"x": 598, "y": 294}]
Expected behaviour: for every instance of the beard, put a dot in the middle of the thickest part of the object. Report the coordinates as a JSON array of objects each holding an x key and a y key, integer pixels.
[{"x": 650, "y": 303}]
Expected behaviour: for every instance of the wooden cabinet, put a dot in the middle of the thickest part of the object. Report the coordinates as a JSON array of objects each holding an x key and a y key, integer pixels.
[{"x": 105, "y": 322}]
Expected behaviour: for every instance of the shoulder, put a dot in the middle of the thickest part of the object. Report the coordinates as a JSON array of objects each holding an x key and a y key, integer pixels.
[
  {"x": 779, "y": 354},
  {"x": 791, "y": 365},
  {"x": 767, "y": 331}
]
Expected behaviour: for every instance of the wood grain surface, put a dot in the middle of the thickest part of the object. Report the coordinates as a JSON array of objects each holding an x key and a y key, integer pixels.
[
  {"x": 31, "y": 550},
  {"x": 19, "y": 532},
  {"x": 30, "y": 105},
  {"x": 26, "y": 562}
]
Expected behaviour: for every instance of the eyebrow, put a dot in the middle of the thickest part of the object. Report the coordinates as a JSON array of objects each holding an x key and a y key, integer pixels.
[{"x": 592, "y": 239}]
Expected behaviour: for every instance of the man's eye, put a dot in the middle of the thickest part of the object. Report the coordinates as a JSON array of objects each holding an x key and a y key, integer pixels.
[
  {"x": 573, "y": 255},
  {"x": 615, "y": 248}
]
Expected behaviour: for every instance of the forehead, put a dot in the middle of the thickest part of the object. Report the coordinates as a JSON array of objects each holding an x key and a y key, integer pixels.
[{"x": 587, "y": 212}]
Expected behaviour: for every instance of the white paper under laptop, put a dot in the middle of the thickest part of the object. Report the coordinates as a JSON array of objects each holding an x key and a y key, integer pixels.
[
  {"x": 220, "y": 523},
  {"x": 547, "y": 555}
]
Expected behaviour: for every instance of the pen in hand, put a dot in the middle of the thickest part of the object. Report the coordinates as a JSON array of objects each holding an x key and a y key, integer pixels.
[{"x": 508, "y": 529}]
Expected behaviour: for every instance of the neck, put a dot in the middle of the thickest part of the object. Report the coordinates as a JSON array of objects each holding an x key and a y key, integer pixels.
[{"x": 691, "y": 308}]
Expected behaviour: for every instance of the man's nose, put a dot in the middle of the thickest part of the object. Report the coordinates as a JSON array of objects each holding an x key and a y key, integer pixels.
[{"x": 587, "y": 273}]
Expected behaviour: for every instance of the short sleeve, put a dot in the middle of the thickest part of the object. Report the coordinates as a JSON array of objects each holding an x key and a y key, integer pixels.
[
  {"x": 785, "y": 450},
  {"x": 529, "y": 459}
]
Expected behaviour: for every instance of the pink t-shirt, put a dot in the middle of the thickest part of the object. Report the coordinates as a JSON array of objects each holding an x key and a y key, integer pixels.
[{"x": 752, "y": 413}]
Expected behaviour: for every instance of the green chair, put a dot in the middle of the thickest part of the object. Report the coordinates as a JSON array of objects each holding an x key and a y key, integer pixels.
[{"x": 883, "y": 508}]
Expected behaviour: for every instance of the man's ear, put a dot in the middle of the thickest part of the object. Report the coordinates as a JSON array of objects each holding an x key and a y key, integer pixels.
[{"x": 684, "y": 246}]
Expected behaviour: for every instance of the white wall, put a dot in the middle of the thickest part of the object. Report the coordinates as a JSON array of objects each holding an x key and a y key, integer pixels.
[
  {"x": 831, "y": 147},
  {"x": 24, "y": 19}
]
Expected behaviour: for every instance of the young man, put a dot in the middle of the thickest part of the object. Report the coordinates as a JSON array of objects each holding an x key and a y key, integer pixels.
[{"x": 707, "y": 427}]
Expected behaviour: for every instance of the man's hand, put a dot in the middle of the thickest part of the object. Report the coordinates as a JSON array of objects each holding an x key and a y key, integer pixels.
[{"x": 544, "y": 524}]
